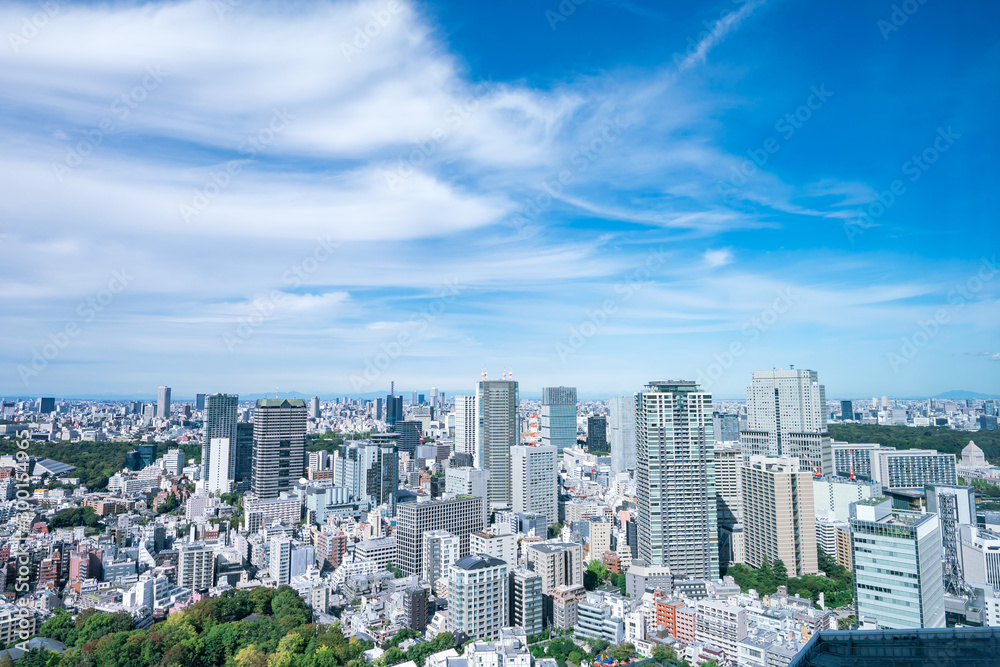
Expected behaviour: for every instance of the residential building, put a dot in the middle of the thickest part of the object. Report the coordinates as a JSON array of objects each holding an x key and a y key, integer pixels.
[
  {"x": 565, "y": 604},
  {"x": 497, "y": 430},
  {"x": 558, "y": 563},
  {"x": 478, "y": 602},
  {"x": 380, "y": 550},
  {"x": 465, "y": 424},
  {"x": 280, "y": 560},
  {"x": 441, "y": 549},
  {"x": 279, "y": 437},
  {"x": 721, "y": 625},
  {"x": 778, "y": 515},
  {"x": 676, "y": 479},
  {"x": 195, "y": 566},
  {"x": 526, "y": 603}
]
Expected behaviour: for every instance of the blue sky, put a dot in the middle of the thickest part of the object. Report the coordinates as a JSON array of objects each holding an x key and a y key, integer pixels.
[{"x": 233, "y": 196}]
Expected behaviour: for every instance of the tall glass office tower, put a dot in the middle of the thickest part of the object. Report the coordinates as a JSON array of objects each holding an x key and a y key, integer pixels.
[
  {"x": 558, "y": 417},
  {"x": 675, "y": 471},
  {"x": 220, "y": 422}
]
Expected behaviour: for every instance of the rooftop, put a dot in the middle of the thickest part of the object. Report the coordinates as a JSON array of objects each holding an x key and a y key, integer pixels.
[{"x": 478, "y": 562}]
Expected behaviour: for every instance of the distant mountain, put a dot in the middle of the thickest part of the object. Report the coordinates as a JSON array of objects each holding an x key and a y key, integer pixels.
[{"x": 960, "y": 394}]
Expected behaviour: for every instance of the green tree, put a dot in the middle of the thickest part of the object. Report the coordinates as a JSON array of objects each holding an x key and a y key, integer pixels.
[
  {"x": 662, "y": 653},
  {"x": 779, "y": 573}
]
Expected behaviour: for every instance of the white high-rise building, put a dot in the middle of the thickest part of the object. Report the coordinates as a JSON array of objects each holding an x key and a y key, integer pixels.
[
  {"x": 219, "y": 480},
  {"x": 497, "y": 430},
  {"x": 280, "y": 561},
  {"x": 195, "y": 566},
  {"x": 469, "y": 482},
  {"x": 898, "y": 578},
  {"x": 465, "y": 424},
  {"x": 779, "y": 521},
  {"x": 441, "y": 549},
  {"x": 478, "y": 603},
  {"x": 675, "y": 472},
  {"x": 621, "y": 433},
  {"x": 557, "y": 420},
  {"x": 786, "y": 416},
  {"x": 535, "y": 481}
]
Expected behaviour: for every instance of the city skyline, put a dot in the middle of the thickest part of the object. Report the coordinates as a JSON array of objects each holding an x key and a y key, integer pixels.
[{"x": 633, "y": 186}]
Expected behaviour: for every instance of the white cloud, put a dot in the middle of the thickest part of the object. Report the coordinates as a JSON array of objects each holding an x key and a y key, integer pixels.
[{"x": 717, "y": 258}]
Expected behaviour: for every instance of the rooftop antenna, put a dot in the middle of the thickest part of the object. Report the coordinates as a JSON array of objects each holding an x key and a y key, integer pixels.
[
  {"x": 276, "y": 391},
  {"x": 484, "y": 374},
  {"x": 392, "y": 388}
]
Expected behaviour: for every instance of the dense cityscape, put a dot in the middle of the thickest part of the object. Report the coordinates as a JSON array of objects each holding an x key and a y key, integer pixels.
[
  {"x": 535, "y": 333},
  {"x": 493, "y": 527}
]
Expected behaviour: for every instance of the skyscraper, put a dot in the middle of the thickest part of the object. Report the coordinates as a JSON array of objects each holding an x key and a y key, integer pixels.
[
  {"x": 846, "y": 410},
  {"x": 597, "y": 434},
  {"x": 199, "y": 401},
  {"x": 778, "y": 514},
  {"x": 497, "y": 430},
  {"x": 243, "y": 454},
  {"x": 786, "y": 416},
  {"x": 314, "y": 408},
  {"x": 393, "y": 409},
  {"x": 220, "y": 422},
  {"x": 557, "y": 420},
  {"x": 163, "y": 402},
  {"x": 676, "y": 478},
  {"x": 535, "y": 481},
  {"x": 46, "y": 405},
  {"x": 621, "y": 433},
  {"x": 279, "y": 445},
  {"x": 898, "y": 579},
  {"x": 465, "y": 424},
  {"x": 465, "y": 481}
]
